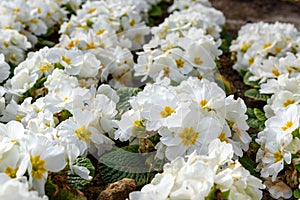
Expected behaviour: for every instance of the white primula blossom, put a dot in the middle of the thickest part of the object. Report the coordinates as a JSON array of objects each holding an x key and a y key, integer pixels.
[
  {"x": 198, "y": 176},
  {"x": 4, "y": 69},
  {"x": 43, "y": 155},
  {"x": 256, "y": 42},
  {"x": 17, "y": 189}
]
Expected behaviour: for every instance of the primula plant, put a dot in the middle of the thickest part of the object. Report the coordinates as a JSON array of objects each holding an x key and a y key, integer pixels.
[{"x": 131, "y": 89}]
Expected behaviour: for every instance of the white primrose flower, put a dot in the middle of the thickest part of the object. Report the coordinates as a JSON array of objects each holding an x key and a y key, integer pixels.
[
  {"x": 198, "y": 176},
  {"x": 43, "y": 155},
  {"x": 272, "y": 153},
  {"x": 189, "y": 131},
  {"x": 4, "y": 69},
  {"x": 256, "y": 42},
  {"x": 17, "y": 189},
  {"x": 80, "y": 131},
  {"x": 181, "y": 5}
]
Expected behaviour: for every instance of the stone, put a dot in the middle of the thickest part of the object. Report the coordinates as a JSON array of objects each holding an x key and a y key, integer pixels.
[{"x": 119, "y": 190}]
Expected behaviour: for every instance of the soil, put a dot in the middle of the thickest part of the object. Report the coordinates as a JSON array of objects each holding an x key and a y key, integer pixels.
[{"x": 237, "y": 13}]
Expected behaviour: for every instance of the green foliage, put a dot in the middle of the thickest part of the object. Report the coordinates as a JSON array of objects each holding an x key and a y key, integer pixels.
[
  {"x": 125, "y": 94},
  {"x": 76, "y": 181},
  {"x": 256, "y": 118},
  {"x": 246, "y": 77},
  {"x": 155, "y": 11},
  {"x": 226, "y": 39},
  {"x": 57, "y": 193},
  {"x": 254, "y": 94},
  {"x": 297, "y": 167},
  {"x": 126, "y": 162},
  {"x": 36, "y": 91},
  {"x": 249, "y": 164},
  {"x": 296, "y": 193},
  {"x": 224, "y": 83}
]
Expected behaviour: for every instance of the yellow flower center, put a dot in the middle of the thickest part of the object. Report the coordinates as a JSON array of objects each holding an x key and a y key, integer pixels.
[
  {"x": 166, "y": 71},
  {"x": 288, "y": 102},
  {"x": 223, "y": 138},
  {"x": 90, "y": 45},
  {"x": 275, "y": 72},
  {"x": 45, "y": 66},
  {"x": 277, "y": 50},
  {"x": 137, "y": 38},
  {"x": 66, "y": 60},
  {"x": 266, "y": 45},
  {"x": 287, "y": 125},
  {"x": 91, "y": 10},
  {"x": 203, "y": 103},
  {"x": 83, "y": 134},
  {"x": 251, "y": 61},
  {"x": 198, "y": 61},
  {"x": 167, "y": 112},
  {"x": 34, "y": 21},
  {"x": 179, "y": 63},
  {"x": 38, "y": 167},
  {"x": 100, "y": 31},
  {"x": 132, "y": 22},
  {"x": 12, "y": 173},
  {"x": 277, "y": 156},
  {"x": 245, "y": 47},
  {"x": 189, "y": 136}
]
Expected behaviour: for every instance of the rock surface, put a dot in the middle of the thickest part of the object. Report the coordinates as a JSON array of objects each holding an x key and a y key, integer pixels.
[{"x": 118, "y": 191}]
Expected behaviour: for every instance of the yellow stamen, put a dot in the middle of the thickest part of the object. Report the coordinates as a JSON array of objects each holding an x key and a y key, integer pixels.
[
  {"x": 38, "y": 167},
  {"x": 189, "y": 136},
  {"x": 179, "y": 63},
  {"x": 198, "y": 61},
  {"x": 83, "y": 134},
  {"x": 287, "y": 125},
  {"x": 288, "y": 102},
  {"x": 167, "y": 112}
]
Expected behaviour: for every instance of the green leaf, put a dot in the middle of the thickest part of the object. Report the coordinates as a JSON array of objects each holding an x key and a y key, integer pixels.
[
  {"x": 249, "y": 164},
  {"x": 125, "y": 94},
  {"x": 256, "y": 124},
  {"x": 126, "y": 162},
  {"x": 155, "y": 11},
  {"x": 75, "y": 180},
  {"x": 254, "y": 94},
  {"x": 251, "y": 83},
  {"x": 297, "y": 167},
  {"x": 296, "y": 193},
  {"x": 55, "y": 193},
  {"x": 250, "y": 113},
  {"x": 259, "y": 114},
  {"x": 44, "y": 42}
]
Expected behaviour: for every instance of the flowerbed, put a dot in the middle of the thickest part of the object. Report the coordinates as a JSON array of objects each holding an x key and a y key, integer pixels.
[{"x": 89, "y": 86}]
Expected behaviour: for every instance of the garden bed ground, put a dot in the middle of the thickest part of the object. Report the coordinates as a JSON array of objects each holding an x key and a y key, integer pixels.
[{"x": 237, "y": 13}]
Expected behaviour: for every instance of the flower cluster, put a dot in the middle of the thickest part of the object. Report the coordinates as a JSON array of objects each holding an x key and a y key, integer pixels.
[
  {"x": 258, "y": 41},
  {"x": 184, "y": 45},
  {"x": 187, "y": 117},
  {"x": 201, "y": 176},
  {"x": 17, "y": 189},
  {"x": 280, "y": 139},
  {"x": 22, "y": 21},
  {"x": 109, "y": 30}
]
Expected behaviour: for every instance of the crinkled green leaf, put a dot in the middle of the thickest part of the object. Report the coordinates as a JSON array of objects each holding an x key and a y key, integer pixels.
[
  {"x": 126, "y": 163},
  {"x": 251, "y": 83},
  {"x": 125, "y": 94},
  {"x": 256, "y": 124},
  {"x": 250, "y": 113},
  {"x": 254, "y": 94},
  {"x": 259, "y": 114},
  {"x": 296, "y": 193},
  {"x": 75, "y": 180}
]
